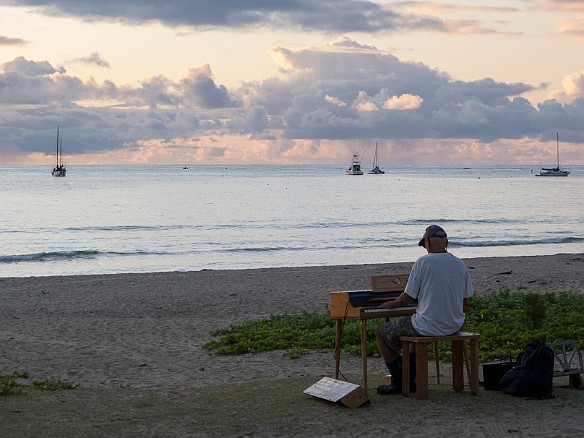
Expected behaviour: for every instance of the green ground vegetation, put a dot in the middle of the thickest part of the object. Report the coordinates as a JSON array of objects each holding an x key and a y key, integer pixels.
[
  {"x": 507, "y": 322},
  {"x": 14, "y": 383}
]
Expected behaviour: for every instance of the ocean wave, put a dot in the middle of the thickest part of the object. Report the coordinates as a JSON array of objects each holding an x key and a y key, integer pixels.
[
  {"x": 49, "y": 256},
  {"x": 269, "y": 225},
  {"x": 55, "y": 256},
  {"x": 485, "y": 243},
  {"x": 260, "y": 249},
  {"x": 113, "y": 228}
]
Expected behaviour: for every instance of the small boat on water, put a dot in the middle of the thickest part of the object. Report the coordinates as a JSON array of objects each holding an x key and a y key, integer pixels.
[
  {"x": 355, "y": 166},
  {"x": 376, "y": 169},
  {"x": 59, "y": 169},
  {"x": 554, "y": 171}
]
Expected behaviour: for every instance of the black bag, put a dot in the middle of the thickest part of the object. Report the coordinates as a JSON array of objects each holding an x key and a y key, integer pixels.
[
  {"x": 494, "y": 371},
  {"x": 532, "y": 375}
]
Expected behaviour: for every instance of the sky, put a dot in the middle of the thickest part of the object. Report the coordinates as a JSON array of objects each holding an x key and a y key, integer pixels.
[{"x": 461, "y": 82}]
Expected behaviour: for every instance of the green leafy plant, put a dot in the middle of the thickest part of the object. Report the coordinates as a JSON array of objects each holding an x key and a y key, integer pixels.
[
  {"x": 509, "y": 321},
  {"x": 294, "y": 333},
  {"x": 9, "y": 384},
  {"x": 506, "y": 322}
]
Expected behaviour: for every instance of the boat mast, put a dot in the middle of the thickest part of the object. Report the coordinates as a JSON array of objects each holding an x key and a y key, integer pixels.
[
  {"x": 57, "y": 147},
  {"x": 558, "y": 148}
]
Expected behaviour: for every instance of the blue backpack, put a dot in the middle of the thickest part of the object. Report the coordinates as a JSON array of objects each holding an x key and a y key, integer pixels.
[{"x": 532, "y": 375}]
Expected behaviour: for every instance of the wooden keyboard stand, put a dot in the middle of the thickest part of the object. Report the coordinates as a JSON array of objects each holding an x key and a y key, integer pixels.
[{"x": 384, "y": 288}]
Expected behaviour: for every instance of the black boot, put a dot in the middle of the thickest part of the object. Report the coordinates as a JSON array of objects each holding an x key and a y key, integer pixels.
[{"x": 395, "y": 368}]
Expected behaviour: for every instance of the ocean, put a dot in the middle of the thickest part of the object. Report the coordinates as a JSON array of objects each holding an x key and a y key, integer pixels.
[{"x": 114, "y": 219}]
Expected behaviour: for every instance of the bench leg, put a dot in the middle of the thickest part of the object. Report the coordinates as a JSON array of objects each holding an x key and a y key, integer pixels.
[
  {"x": 406, "y": 346},
  {"x": 460, "y": 357},
  {"x": 421, "y": 371},
  {"x": 457, "y": 365},
  {"x": 437, "y": 359},
  {"x": 474, "y": 367}
]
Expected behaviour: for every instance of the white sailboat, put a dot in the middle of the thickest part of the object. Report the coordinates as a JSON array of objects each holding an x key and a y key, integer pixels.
[
  {"x": 355, "y": 166},
  {"x": 59, "y": 169},
  {"x": 376, "y": 169},
  {"x": 554, "y": 171}
]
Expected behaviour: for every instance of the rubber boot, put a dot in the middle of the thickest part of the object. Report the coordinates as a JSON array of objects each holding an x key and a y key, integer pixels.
[{"x": 395, "y": 369}]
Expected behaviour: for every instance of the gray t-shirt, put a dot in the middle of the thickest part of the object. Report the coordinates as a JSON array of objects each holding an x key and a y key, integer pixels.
[{"x": 440, "y": 282}]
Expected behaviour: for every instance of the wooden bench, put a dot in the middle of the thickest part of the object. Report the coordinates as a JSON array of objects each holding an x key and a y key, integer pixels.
[{"x": 419, "y": 345}]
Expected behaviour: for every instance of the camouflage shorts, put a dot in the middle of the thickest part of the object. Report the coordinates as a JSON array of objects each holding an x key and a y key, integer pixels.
[{"x": 392, "y": 330}]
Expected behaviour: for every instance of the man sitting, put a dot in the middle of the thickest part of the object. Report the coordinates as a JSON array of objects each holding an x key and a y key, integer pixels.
[{"x": 441, "y": 283}]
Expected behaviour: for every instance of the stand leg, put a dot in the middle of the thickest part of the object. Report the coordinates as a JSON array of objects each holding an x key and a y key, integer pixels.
[
  {"x": 364, "y": 351},
  {"x": 339, "y": 331}
]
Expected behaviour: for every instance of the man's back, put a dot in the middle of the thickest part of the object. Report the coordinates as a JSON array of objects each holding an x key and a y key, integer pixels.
[{"x": 440, "y": 282}]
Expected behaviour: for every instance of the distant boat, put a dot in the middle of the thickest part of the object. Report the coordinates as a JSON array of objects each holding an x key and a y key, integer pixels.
[
  {"x": 59, "y": 169},
  {"x": 355, "y": 166},
  {"x": 376, "y": 170},
  {"x": 554, "y": 171}
]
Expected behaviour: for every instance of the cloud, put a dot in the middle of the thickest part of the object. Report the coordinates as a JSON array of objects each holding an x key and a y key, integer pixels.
[
  {"x": 315, "y": 15},
  {"x": 570, "y": 25},
  {"x": 198, "y": 86},
  {"x": 7, "y": 41},
  {"x": 572, "y": 87},
  {"x": 93, "y": 59},
  {"x": 338, "y": 94},
  {"x": 562, "y": 5},
  {"x": 403, "y": 102},
  {"x": 334, "y": 101},
  {"x": 30, "y": 68},
  {"x": 308, "y": 14},
  {"x": 574, "y": 84},
  {"x": 378, "y": 88}
]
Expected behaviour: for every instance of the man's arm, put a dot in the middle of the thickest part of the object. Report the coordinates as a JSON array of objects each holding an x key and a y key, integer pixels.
[{"x": 403, "y": 300}]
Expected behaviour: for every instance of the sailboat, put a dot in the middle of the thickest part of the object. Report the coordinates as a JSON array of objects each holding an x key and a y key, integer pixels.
[
  {"x": 554, "y": 171},
  {"x": 376, "y": 170},
  {"x": 59, "y": 169}
]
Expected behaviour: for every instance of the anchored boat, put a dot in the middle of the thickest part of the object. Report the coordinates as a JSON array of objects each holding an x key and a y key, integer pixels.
[
  {"x": 355, "y": 166},
  {"x": 554, "y": 171},
  {"x": 59, "y": 169}
]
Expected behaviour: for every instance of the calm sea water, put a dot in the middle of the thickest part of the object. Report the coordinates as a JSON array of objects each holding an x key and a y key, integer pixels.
[{"x": 111, "y": 219}]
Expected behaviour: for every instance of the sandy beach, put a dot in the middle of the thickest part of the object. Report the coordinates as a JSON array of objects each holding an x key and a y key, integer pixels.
[{"x": 143, "y": 334}]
